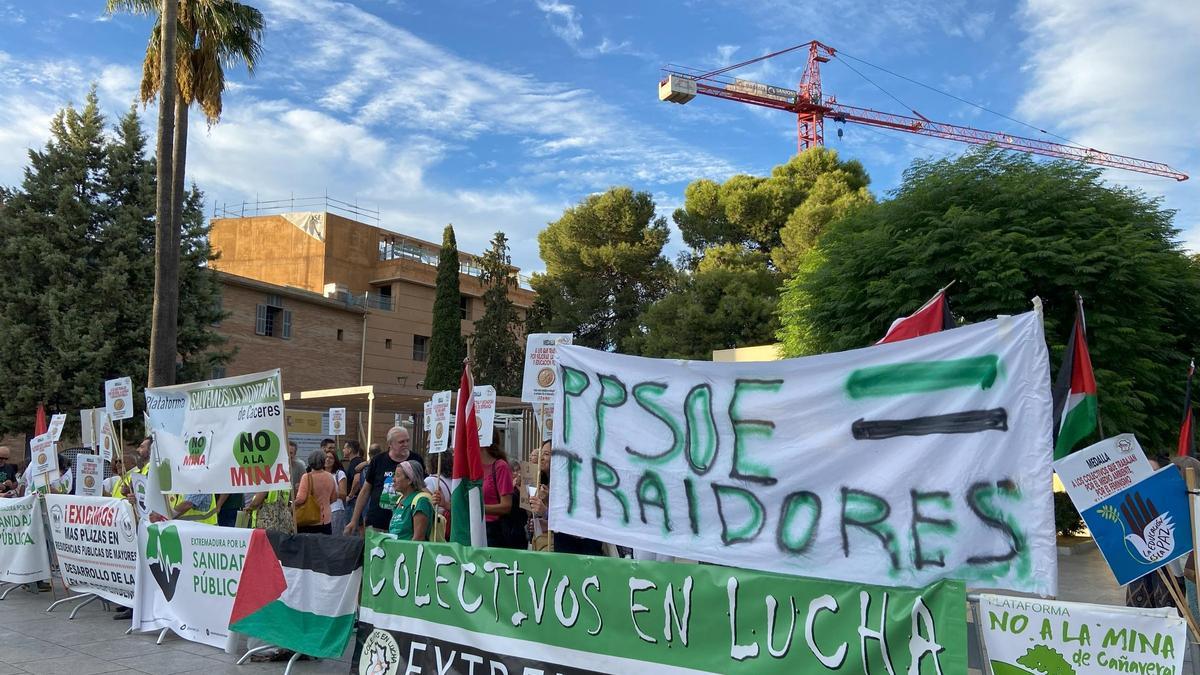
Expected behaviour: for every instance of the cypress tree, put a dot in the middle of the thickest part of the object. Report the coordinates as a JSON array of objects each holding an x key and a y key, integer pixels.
[
  {"x": 446, "y": 351},
  {"x": 496, "y": 344}
]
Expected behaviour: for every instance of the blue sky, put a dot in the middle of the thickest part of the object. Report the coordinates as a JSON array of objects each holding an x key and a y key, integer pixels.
[{"x": 497, "y": 115}]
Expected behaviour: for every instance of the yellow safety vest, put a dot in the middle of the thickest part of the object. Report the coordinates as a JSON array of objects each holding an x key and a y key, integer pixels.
[
  {"x": 272, "y": 497},
  {"x": 127, "y": 480},
  {"x": 208, "y": 517}
]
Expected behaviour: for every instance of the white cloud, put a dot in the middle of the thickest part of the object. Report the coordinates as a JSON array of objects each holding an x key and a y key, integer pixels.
[
  {"x": 564, "y": 20},
  {"x": 1120, "y": 76}
]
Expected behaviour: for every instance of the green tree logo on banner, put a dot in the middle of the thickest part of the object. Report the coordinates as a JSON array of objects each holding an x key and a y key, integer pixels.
[{"x": 165, "y": 550}]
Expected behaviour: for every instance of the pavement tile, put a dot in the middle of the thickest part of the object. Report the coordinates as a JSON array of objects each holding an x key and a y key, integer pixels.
[
  {"x": 75, "y": 664},
  {"x": 117, "y": 649},
  {"x": 28, "y": 649},
  {"x": 11, "y": 669},
  {"x": 168, "y": 661}
]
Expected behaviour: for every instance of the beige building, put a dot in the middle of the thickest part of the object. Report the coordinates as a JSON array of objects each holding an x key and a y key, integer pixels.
[{"x": 335, "y": 302}]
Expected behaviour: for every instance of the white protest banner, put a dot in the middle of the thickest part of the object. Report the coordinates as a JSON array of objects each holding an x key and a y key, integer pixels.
[
  {"x": 118, "y": 398},
  {"x": 188, "y": 577},
  {"x": 1100, "y": 471},
  {"x": 1028, "y": 635},
  {"x": 42, "y": 456},
  {"x": 96, "y": 542},
  {"x": 23, "y": 554},
  {"x": 541, "y": 375},
  {"x": 89, "y": 476},
  {"x": 56, "y": 426},
  {"x": 87, "y": 426},
  {"x": 220, "y": 436},
  {"x": 485, "y": 413},
  {"x": 898, "y": 464},
  {"x": 337, "y": 421},
  {"x": 439, "y": 436},
  {"x": 106, "y": 437}
]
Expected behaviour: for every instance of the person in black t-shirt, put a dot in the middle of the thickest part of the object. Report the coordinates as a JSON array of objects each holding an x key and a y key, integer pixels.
[{"x": 377, "y": 496}]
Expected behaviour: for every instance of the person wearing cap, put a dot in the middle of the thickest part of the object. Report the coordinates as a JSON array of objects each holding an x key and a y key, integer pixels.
[{"x": 413, "y": 514}]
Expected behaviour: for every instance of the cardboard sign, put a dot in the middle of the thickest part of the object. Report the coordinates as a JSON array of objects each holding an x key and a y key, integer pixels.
[
  {"x": 42, "y": 455},
  {"x": 118, "y": 398},
  {"x": 337, "y": 421},
  {"x": 89, "y": 476},
  {"x": 1099, "y": 471},
  {"x": 439, "y": 437},
  {"x": 540, "y": 379},
  {"x": 485, "y": 413},
  {"x": 56, "y": 426}
]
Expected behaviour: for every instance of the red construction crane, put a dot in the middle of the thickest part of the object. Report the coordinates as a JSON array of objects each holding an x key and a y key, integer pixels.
[{"x": 812, "y": 107}]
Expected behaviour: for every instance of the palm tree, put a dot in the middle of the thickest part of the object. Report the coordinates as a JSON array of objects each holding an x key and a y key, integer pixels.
[{"x": 201, "y": 39}]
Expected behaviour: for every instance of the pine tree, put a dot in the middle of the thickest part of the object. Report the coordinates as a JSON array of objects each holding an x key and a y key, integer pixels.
[
  {"x": 446, "y": 351},
  {"x": 81, "y": 230},
  {"x": 497, "y": 354}
]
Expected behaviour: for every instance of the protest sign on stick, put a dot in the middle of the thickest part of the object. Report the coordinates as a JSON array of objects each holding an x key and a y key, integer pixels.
[
  {"x": 220, "y": 436},
  {"x": 902, "y": 463},
  {"x": 118, "y": 398},
  {"x": 56, "y": 426},
  {"x": 89, "y": 476},
  {"x": 439, "y": 438},
  {"x": 485, "y": 413}
]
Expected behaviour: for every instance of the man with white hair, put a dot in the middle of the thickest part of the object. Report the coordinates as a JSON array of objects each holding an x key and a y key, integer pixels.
[{"x": 377, "y": 495}]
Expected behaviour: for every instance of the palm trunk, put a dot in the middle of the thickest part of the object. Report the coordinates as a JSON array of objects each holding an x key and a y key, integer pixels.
[
  {"x": 163, "y": 328},
  {"x": 178, "y": 171}
]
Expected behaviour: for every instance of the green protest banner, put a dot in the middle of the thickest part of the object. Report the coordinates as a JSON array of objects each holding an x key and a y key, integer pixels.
[{"x": 438, "y": 608}]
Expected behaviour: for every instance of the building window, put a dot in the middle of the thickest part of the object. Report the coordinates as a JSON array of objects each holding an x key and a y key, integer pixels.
[
  {"x": 340, "y": 335},
  {"x": 464, "y": 307},
  {"x": 272, "y": 320},
  {"x": 218, "y": 372},
  {"x": 420, "y": 347},
  {"x": 387, "y": 343}
]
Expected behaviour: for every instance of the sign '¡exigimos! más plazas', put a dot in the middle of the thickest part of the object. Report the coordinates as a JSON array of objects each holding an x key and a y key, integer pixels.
[
  {"x": 220, "y": 436},
  {"x": 898, "y": 464},
  {"x": 437, "y": 608}
]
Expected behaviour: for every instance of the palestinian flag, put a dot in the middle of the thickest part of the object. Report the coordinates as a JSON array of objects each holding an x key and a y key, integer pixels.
[
  {"x": 299, "y": 591},
  {"x": 1187, "y": 439},
  {"x": 466, "y": 481},
  {"x": 1076, "y": 411},
  {"x": 934, "y": 316}
]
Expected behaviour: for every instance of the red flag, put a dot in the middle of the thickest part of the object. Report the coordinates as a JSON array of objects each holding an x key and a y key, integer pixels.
[
  {"x": 932, "y": 317},
  {"x": 466, "y": 481},
  {"x": 39, "y": 423},
  {"x": 1187, "y": 442}
]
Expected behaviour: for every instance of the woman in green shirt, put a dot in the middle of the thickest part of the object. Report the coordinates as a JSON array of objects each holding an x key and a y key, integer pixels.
[{"x": 414, "y": 509}]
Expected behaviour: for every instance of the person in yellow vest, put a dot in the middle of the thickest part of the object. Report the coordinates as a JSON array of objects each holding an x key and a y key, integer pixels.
[
  {"x": 199, "y": 508},
  {"x": 124, "y": 487}
]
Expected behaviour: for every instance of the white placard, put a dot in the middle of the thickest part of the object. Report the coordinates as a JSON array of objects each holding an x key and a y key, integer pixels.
[
  {"x": 56, "y": 426},
  {"x": 107, "y": 441},
  {"x": 96, "y": 542},
  {"x": 337, "y": 421},
  {"x": 188, "y": 578},
  {"x": 221, "y": 436},
  {"x": 485, "y": 413},
  {"x": 439, "y": 435},
  {"x": 540, "y": 379},
  {"x": 89, "y": 476},
  {"x": 42, "y": 455},
  {"x": 428, "y": 408},
  {"x": 23, "y": 554},
  {"x": 118, "y": 398},
  {"x": 897, "y": 464},
  {"x": 87, "y": 426},
  {"x": 1030, "y": 635},
  {"x": 543, "y": 414},
  {"x": 1101, "y": 470}
]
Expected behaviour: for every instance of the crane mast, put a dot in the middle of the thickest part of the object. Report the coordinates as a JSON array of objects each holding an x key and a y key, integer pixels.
[{"x": 812, "y": 107}]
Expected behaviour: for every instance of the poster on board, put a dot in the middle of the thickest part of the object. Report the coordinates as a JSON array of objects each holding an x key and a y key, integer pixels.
[
  {"x": 118, "y": 398},
  {"x": 439, "y": 435},
  {"x": 540, "y": 376}
]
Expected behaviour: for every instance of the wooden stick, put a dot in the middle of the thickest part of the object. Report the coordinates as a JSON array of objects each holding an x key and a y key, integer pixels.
[{"x": 1180, "y": 603}]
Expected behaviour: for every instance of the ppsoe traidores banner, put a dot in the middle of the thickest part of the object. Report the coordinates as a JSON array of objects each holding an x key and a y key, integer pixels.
[
  {"x": 95, "y": 539},
  {"x": 188, "y": 578},
  {"x": 23, "y": 555},
  {"x": 220, "y": 436},
  {"x": 444, "y": 608}
]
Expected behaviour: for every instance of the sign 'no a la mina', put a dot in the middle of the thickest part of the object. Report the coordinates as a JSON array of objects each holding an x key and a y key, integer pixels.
[{"x": 898, "y": 464}]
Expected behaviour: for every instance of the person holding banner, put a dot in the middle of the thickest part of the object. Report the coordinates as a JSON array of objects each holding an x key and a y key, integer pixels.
[
  {"x": 413, "y": 514},
  {"x": 140, "y": 464},
  {"x": 563, "y": 542}
]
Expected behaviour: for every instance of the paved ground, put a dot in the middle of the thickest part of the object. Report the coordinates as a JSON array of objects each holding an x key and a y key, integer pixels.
[{"x": 32, "y": 641}]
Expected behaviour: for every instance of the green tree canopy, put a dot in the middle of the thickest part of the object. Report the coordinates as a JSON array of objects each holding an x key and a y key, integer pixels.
[
  {"x": 1008, "y": 229},
  {"x": 80, "y": 229},
  {"x": 447, "y": 349},
  {"x": 604, "y": 266},
  {"x": 781, "y": 214},
  {"x": 728, "y": 301},
  {"x": 497, "y": 355}
]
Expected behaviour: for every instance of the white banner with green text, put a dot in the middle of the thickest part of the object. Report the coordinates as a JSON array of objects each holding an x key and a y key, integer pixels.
[
  {"x": 220, "y": 436},
  {"x": 23, "y": 554},
  {"x": 898, "y": 464}
]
